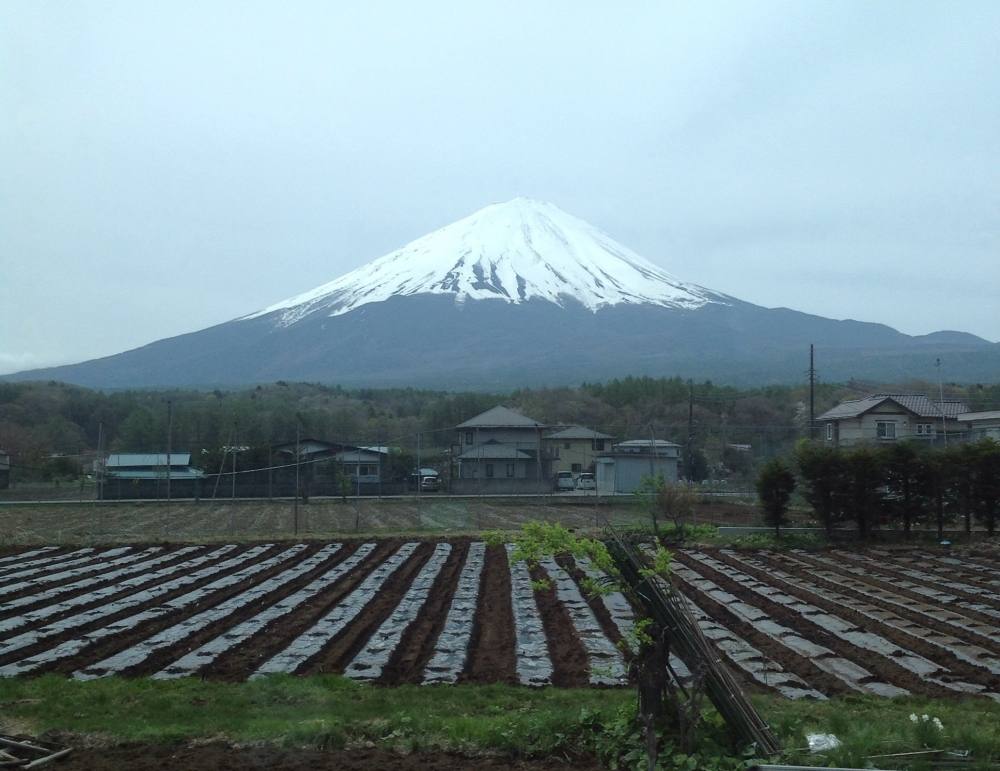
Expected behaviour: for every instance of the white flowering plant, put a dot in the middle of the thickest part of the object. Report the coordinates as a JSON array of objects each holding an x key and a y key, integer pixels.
[{"x": 928, "y": 730}]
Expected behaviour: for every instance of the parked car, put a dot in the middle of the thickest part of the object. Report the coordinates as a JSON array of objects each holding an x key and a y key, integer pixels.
[
  {"x": 565, "y": 481},
  {"x": 430, "y": 484},
  {"x": 586, "y": 481}
]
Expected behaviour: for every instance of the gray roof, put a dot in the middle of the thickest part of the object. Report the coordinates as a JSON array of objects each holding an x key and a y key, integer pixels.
[
  {"x": 357, "y": 456},
  {"x": 185, "y": 473},
  {"x": 119, "y": 460},
  {"x": 500, "y": 417},
  {"x": 919, "y": 404},
  {"x": 647, "y": 443},
  {"x": 987, "y": 415},
  {"x": 495, "y": 452},
  {"x": 577, "y": 432}
]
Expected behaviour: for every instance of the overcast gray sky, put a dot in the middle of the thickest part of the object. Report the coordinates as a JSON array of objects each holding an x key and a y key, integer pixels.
[{"x": 165, "y": 166}]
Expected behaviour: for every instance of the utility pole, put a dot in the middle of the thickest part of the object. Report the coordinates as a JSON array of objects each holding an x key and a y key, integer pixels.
[
  {"x": 235, "y": 450},
  {"x": 170, "y": 427},
  {"x": 295, "y": 517},
  {"x": 420, "y": 474},
  {"x": 944, "y": 425},
  {"x": 100, "y": 461},
  {"x": 690, "y": 441},
  {"x": 812, "y": 393}
]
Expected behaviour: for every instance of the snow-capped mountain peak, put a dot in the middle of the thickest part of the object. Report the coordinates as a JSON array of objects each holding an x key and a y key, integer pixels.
[{"x": 515, "y": 251}]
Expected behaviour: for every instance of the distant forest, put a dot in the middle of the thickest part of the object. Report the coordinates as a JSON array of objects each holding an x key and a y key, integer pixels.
[{"x": 53, "y": 429}]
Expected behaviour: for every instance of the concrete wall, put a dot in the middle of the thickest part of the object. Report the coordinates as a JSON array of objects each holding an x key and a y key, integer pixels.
[
  {"x": 474, "y": 469},
  {"x": 499, "y": 486}
]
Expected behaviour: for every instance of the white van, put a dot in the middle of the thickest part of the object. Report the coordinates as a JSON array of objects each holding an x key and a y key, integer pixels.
[
  {"x": 565, "y": 481},
  {"x": 586, "y": 481}
]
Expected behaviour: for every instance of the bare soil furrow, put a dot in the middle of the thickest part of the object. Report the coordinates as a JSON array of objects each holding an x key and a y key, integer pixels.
[
  {"x": 89, "y": 562},
  {"x": 492, "y": 647},
  {"x": 83, "y": 650},
  {"x": 27, "y": 644},
  {"x": 905, "y": 633},
  {"x": 606, "y": 663},
  {"x": 309, "y": 646},
  {"x": 11, "y": 561},
  {"x": 149, "y": 654},
  {"x": 344, "y": 646},
  {"x": 722, "y": 610},
  {"x": 570, "y": 662},
  {"x": 38, "y": 561},
  {"x": 243, "y": 629},
  {"x": 246, "y": 656},
  {"x": 802, "y": 618},
  {"x": 965, "y": 624},
  {"x": 407, "y": 663},
  {"x": 96, "y": 598},
  {"x": 965, "y": 594},
  {"x": 39, "y": 598}
]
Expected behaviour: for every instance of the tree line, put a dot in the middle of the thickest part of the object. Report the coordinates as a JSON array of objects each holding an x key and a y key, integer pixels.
[
  {"x": 902, "y": 485},
  {"x": 48, "y": 426}
]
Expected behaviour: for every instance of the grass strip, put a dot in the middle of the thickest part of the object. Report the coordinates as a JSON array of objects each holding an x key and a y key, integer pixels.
[
  {"x": 321, "y": 711},
  {"x": 328, "y": 711}
]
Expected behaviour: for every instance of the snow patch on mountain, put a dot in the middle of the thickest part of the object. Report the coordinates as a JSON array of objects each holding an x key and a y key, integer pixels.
[{"x": 515, "y": 251}]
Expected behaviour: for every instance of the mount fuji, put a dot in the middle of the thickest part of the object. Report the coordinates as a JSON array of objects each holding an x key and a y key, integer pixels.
[{"x": 522, "y": 293}]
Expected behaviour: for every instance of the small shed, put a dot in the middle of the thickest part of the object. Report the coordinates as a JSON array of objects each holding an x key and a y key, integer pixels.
[{"x": 623, "y": 468}]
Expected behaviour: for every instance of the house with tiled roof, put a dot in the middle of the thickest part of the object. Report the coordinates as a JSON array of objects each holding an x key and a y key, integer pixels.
[
  {"x": 499, "y": 450},
  {"x": 881, "y": 418}
]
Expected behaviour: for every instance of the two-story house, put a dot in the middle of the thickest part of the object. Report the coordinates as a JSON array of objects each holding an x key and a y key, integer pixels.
[
  {"x": 574, "y": 448},
  {"x": 888, "y": 417},
  {"x": 499, "y": 450}
]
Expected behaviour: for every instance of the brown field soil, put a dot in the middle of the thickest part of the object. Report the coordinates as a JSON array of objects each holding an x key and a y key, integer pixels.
[
  {"x": 223, "y": 757},
  {"x": 186, "y": 521},
  {"x": 958, "y": 635},
  {"x": 914, "y": 634}
]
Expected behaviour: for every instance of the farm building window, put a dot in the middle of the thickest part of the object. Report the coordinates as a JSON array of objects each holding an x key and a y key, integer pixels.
[
  {"x": 489, "y": 471},
  {"x": 510, "y": 469},
  {"x": 829, "y": 432},
  {"x": 885, "y": 429}
]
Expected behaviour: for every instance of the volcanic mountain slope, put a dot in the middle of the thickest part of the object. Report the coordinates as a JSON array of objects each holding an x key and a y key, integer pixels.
[
  {"x": 522, "y": 293},
  {"x": 518, "y": 251}
]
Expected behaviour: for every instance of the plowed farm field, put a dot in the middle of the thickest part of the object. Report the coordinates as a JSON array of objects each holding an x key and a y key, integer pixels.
[{"x": 802, "y": 624}]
